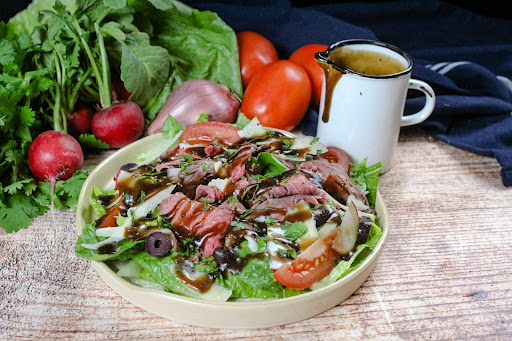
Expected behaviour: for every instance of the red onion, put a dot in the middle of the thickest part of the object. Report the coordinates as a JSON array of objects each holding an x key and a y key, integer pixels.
[{"x": 194, "y": 97}]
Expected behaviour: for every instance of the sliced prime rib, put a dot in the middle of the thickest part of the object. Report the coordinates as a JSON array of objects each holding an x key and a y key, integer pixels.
[
  {"x": 212, "y": 151},
  {"x": 296, "y": 184},
  {"x": 278, "y": 207},
  {"x": 333, "y": 178},
  {"x": 236, "y": 168},
  {"x": 195, "y": 172},
  {"x": 190, "y": 220},
  {"x": 209, "y": 194}
]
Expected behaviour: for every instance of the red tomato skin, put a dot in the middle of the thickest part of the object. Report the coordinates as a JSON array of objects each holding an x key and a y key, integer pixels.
[
  {"x": 278, "y": 95},
  {"x": 303, "y": 271},
  {"x": 305, "y": 57},
  {"x": 110, "y": 219},
  {"x": 255, "y": 51},
  {"x": 206, "y": 133}
]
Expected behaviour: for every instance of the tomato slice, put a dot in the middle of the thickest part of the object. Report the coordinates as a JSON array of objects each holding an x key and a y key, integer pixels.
[
  {"x": 206, "y": 133},
  {"x": 110, "y": 219},
  {"x": 336, "y": 155},
  {"x": 310, "y": 266}
]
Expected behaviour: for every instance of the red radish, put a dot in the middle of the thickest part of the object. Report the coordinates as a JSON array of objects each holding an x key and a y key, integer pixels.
[
  {"x": 119, "y": 92},
  {"x": 54, "y": 156},
  {"x": 119, "y": 124},
  {"x": 80, "y": 121}
]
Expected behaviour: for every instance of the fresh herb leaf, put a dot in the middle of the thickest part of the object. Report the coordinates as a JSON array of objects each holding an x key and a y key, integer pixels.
[
  {"x": 230, "y": 151},
  {"x": 241, "y": 121},
  {"x": 271, "y": 167},
  {"x": 202, "y": 117},
  {"x": 293, "y": 231},
  {"x": 91, "y": 142},
  {"x": 171, "y": 127},
  {"x": 238, "y": 224},
  {"x": 286, "y": 143},
  {"x": 187, "y": 158},
  {"x": 269, "y": 220},
  {"x": 232, "y": 199}
]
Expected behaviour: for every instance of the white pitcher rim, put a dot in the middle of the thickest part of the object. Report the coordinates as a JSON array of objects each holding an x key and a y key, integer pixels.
[{"x": 323, "y": 56}]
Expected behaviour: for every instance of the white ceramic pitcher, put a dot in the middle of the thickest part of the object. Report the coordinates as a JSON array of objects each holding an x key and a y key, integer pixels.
[{"x": 362, "y": 113}]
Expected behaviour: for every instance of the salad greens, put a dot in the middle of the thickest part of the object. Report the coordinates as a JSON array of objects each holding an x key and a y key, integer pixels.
[
  {"x": 58, "y": 53},
  {"x": 254, "y": 277}
]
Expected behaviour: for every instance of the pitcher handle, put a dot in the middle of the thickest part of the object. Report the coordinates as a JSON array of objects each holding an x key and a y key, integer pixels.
[{"x": 430, "y": 102}]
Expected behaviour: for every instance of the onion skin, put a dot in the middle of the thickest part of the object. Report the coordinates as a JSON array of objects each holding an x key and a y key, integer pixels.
[{"x": 194, "y": 97}]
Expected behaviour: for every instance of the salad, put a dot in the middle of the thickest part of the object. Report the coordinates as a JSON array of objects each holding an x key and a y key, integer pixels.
[{"x": 234, "y": 211}]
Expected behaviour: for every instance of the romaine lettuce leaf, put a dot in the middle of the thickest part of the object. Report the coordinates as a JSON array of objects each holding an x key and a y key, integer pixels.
[
  {"x": 127, "y": 247},
  {"x": 366, "y": 178},
  {"x": 200, "y": 46},
  {"x": 161, "y": 270},
  {"x": 256, "y": 280}
]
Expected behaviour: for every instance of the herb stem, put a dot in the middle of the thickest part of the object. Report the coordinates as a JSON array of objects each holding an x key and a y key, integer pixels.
[
  {"x": 104, "y": 63},
  {"x": 76, "y": 88},
  {"x": 104, "y": 94}
]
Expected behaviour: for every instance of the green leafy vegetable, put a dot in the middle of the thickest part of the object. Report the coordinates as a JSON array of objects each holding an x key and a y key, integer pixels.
[
  {"x": 271, "y": 167},
  {"x": 241, "y": 121},
  {"x": 200, "y": 46},
  {"x": 366, "y": 178},
  {"x": 125, "y": 251},
  {"x": 256, "y": 280},
  {"x": 293, "y": 231},
  {"x": 202, "y": 117},
  {"x": 22, "y": 117},
  {"x": 171, "y": 127},
  {"x": 91, "y": 142}
]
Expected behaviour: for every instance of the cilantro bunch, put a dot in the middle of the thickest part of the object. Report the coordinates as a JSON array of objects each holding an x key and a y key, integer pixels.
[{"x": 22, "y": 118}]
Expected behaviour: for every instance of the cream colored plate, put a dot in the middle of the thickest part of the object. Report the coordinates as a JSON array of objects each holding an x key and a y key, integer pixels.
[{"x": 236, "y": 315}]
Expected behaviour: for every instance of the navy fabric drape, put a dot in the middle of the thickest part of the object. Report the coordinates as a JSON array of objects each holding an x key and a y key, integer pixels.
[{"x": 465, "y": 57}]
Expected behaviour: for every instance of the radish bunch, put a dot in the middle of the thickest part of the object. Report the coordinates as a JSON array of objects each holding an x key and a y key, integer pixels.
[{"x": 56, "y": 154}]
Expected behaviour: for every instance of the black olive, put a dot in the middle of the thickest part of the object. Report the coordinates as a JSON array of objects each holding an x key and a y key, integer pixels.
[
  {"x": 363, "y": 231},
  {"x": 323, "y": 214},
  {"x": 128, "y": 167},
  {"x": 227, "y": 258},
  {"x": 158, "y": 244}
]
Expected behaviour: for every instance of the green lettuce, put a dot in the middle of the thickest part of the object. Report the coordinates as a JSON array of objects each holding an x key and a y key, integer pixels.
[
  {"x": 127, "y": 247},
  {"x": 256, "y": 280},
  {"x": 199, "y": 43},
  {"x": 366, "y": 178}
]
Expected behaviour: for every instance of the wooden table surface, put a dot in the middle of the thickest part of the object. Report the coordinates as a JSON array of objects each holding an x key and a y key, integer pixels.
[{"x": 445, "y": 271}]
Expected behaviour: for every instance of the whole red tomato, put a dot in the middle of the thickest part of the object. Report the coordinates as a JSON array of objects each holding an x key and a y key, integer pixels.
[
  {"x": 305, "y": 57},
  {"x": 255, "y": 51},
  {"x": 278, "y": 95}
]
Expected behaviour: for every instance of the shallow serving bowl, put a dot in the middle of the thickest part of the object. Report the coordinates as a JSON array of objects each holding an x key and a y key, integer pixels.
[{"x": 237, "y": 315}]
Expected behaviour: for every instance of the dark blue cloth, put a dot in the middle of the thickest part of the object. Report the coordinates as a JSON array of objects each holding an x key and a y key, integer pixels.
[{"x": 465, "y": 57}]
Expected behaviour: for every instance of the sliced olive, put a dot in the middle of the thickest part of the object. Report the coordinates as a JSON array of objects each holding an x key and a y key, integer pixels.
[
  {"x": 128, "y": 167},
  {"x": 158, "y": 244},
  {"x": 363, "y": 231}
]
